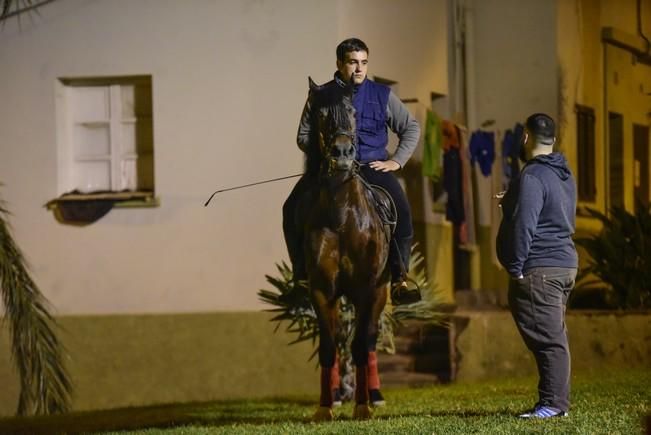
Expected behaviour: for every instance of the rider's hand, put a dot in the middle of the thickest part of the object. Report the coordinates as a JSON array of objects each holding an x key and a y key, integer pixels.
[{"x": 385, "y": 166}]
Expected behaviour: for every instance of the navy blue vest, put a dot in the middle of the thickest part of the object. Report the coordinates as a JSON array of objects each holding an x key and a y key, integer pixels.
[{"x": 370, "y": 101}]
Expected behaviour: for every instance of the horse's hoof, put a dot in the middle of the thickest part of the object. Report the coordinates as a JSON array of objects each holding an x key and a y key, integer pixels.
[
  {"x": 362, "y": 412},
  {"x": 323, "y": 413}
]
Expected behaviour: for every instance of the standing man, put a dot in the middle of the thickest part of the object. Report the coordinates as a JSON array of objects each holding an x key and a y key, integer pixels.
[
  {"x": 376, "y": 108},
  {"x": 534, "y": 244}
]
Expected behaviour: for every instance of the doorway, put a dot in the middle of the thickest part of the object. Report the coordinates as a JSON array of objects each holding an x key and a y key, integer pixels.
[
  {"x": 641, "y": 162},
  {"x": 616, "y": 158}
]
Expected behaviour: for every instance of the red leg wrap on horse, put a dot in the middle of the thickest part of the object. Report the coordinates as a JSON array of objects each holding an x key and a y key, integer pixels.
[
  {"x": 335, "y": 381},
  {"x": 373, "y": 375},
  {"x": 326, "y": 390}
]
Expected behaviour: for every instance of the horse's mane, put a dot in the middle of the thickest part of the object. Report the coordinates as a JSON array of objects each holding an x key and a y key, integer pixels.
[
  {"x": 332, "y": 113},
  {"x": 333, "y": 100},
  {"x": 339, "y": 115}
]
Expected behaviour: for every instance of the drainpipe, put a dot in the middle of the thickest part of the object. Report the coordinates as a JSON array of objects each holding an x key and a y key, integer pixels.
[
  {"x": 469, "y": 70},
  {"x": 458, "y": 88},
  {"x": 639, "y": 27}
]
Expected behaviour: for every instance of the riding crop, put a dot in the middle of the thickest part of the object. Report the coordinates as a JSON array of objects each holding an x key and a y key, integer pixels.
[{"x": 249, "y": 185}]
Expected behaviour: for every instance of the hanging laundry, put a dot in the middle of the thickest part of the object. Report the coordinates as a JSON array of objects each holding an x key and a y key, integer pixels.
[
  {"x": 482, "y": 150},
  {"x": 450, "y": 135},
  {"x": 432, "y": 142},
  {"x": 468, "y": 234},
  {"x": 452, "y": 174},
  {"x": 452, "y": 183},
  {"x": 511, "y": 152}
]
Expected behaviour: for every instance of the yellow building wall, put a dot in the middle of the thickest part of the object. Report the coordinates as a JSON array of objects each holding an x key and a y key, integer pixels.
[{"x": 606, "y": 78}]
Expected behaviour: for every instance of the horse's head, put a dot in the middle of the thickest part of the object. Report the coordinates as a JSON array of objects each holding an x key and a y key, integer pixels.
[{"x": 334, "y": 120}]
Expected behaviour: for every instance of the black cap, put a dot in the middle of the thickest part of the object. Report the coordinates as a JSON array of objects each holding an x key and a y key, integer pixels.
[{"x": 541, "y": 125}]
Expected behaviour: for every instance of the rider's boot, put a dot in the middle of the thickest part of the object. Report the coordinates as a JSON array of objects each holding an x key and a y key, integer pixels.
[{"x": 399, "y": 254}]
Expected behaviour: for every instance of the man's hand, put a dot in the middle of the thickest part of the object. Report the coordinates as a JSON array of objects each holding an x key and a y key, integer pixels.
[{"x": 385, "y": 166}]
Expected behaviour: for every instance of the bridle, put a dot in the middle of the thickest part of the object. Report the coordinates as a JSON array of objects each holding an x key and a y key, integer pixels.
[
  {"x": 331, "y": 162},
  {"x": 329, "y": 141}
]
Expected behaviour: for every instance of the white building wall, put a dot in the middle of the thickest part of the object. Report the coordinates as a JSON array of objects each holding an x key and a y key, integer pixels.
[
  {"x": 229, "y": 82},
  {"x": 407, "y": 42},
  {"x": 515, "y": 67}
]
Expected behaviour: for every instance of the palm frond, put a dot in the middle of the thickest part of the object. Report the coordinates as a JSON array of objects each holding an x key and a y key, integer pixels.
[
  {"x": 292, "y": 304},
  {"x": 45, "y": 386},
  {"x": 14, "y": 8},
  {"x": 620, "y": 255}
]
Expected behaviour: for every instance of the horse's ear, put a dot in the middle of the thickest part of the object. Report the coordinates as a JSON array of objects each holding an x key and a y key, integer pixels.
[{"x": 313, "y": 86}]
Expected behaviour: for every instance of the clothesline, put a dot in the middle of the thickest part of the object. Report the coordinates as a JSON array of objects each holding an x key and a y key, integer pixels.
[{"x": 466, "y": 170}]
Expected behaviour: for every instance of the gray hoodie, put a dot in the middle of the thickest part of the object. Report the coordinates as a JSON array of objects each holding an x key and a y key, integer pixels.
[{"x": 539, "y": 217}]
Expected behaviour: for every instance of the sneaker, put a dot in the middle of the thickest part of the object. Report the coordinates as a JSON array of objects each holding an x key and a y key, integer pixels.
[
  {"x": 336, "y": 397},
  {"x": 401, "y": 294},
  {"x": 543, "y": 412},
  {"x": 376, "y": 398}
]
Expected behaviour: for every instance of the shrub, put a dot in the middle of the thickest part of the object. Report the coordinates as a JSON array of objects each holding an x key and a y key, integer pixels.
[
  {"x": 292, "y": 304},
  {"x": 621, "y": 256}
]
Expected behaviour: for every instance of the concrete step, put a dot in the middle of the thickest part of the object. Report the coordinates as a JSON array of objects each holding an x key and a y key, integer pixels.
[
  {"x": 407, "y": 379},
  {"x": 422, "y": 356},
  {"x": 398, "y": 362}
]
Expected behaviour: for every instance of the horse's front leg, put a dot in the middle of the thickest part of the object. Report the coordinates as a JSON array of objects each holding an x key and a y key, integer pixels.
[
  {"x": 322, "y": 259},
  {"x": 327, "y": 311},
  {"x": 360, "y": 346},
  {"x": 366, "y": 331}
]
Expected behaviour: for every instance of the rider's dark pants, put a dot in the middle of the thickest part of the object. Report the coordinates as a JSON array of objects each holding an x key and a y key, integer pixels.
[
  {"x": 400, "y": 246},
  {"x": 292, "y": 227}
]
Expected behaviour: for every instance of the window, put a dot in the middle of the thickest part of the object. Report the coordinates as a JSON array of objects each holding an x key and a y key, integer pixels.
[
  {"x": 641, "y": 162},
  {"x": 616, "y": 160},
  {"x": 585, "y": 139},
  {"x": 105, "y": 135}
]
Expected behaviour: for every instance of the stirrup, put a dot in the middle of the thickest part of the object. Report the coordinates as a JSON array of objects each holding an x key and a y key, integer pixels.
[{"x": 401, "y": 294}]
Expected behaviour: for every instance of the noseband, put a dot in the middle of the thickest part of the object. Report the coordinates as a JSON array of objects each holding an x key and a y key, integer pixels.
[{"x": 332, "y": 161}]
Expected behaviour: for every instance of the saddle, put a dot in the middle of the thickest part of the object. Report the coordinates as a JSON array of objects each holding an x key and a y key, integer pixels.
[
  {"x": 385, "y": 207},
  {"x": 379, "y": 197}
]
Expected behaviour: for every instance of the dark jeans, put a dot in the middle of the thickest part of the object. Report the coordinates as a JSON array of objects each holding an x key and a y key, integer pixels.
[
  {"x": 399, "y": 250},
  {"x": 388, "y": 180},
  {"x": 292, "y": 224},
  {"x": 538, "y": 302}
]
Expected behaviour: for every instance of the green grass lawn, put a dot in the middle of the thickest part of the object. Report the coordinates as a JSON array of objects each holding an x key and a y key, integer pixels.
[{"x": 607, "y": 402}]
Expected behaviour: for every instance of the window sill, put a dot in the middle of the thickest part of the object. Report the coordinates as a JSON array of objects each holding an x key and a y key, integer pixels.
[
  {"x": 119, "y": 199},
  {"x": 78, "y": 208}
]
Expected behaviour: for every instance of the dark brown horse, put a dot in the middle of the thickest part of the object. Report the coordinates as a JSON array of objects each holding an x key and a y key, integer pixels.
[{"x": 346, "y": 244}]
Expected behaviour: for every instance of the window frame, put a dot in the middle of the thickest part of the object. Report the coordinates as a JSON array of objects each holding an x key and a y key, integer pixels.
[
  {"x": 586, "y": 122},
  {"x": 66, "y": 159}
]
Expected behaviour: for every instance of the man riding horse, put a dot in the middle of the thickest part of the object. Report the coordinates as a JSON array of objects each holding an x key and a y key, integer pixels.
[{"x": 376, "y": 108}]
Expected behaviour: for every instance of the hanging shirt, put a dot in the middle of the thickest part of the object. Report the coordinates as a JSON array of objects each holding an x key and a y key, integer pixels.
[
  {"x": 450, "y": 135},
  {"x": 511, "y": 152},
  {"x": 482, "y": 150},
  {"x": 452, "y": 183},
  {"x": 467, "y": 234},
  {"x": 432, "y": 146}
]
